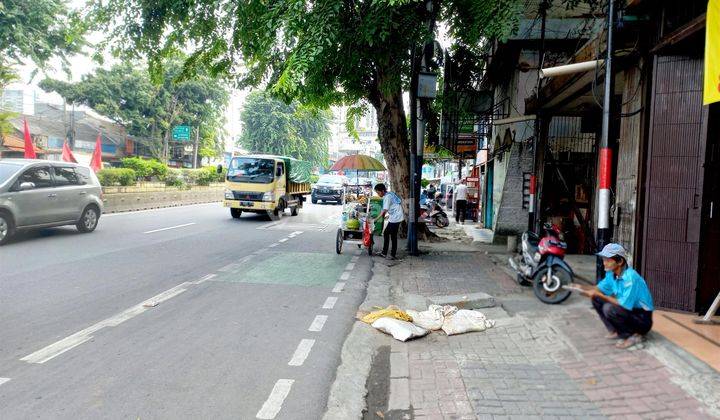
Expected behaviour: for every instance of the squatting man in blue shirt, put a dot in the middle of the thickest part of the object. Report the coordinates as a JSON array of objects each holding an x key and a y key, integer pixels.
[{"x": 622, "y": 299}]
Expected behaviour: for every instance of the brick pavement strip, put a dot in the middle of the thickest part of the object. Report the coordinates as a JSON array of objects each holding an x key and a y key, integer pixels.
[{"x": 548, "y": 363}]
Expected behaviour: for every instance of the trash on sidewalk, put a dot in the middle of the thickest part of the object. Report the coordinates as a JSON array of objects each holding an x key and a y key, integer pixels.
[
  {"x": 433, "y": 318},
  {"x": 404, "y": 325},
  {"x": 466, "y": 320},
  {"x": 391, "y": 311},
  {"x": 400, "y": 330}
]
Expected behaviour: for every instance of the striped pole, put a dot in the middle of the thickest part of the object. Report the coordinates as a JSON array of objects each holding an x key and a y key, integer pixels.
[
  {"x": 531, "y": 204},
  {"x": 604, "y": 233}
]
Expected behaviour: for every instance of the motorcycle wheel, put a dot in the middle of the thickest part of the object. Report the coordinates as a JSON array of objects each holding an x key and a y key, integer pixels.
[
  {"x": 552, "y": 297},
  {"x": 441, "y": 221}
]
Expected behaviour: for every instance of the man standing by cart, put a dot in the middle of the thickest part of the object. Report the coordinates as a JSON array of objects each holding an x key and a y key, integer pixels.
[
  {"x": 392, "y": 209},
  {"x": 461, "y": 193}
]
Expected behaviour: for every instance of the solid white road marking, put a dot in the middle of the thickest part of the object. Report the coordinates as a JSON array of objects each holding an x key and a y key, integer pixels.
[
  {"x": 330, "y": 302},
  {"x": 273, "y": 404},
  {"x": 318, "y": 323},
  {"x": 301, "y": 352},
  {"x": 74, "y": 340},
  {"x": 168, "y": 228},
  {"x": 298, "y": 232},
  {"x": 338, "y": 287},
  {"x": 273, "y": 245},
  {"x": 3, "y": 380},
  {"x": 283, "y": 240},
  {"x": 345, "y": 276},
  {"x": 350, "y": 266},
  {"x": 355, "y": 258}
]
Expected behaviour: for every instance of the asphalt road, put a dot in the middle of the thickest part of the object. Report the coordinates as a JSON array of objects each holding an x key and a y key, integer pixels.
[{"x": 174, "y": 314}]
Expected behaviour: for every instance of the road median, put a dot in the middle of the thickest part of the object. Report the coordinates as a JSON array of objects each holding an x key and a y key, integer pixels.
[{"x": 126, "y": 199}]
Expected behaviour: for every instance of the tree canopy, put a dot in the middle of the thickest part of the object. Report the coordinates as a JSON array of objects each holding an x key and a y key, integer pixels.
[
  {"x": 126, "y": 94},
  {"x": 272, "y": 126},
  {"x": 37, "y": 30}
]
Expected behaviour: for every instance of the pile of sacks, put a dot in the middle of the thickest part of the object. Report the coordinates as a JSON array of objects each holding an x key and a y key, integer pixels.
[{"x": 404, "y": 325}]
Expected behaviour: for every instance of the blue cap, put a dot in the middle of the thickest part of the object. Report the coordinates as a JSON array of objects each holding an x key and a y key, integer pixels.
[{"x": 612, "y": 250}]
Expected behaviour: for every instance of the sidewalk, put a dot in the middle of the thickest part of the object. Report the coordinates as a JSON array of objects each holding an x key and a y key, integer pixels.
[{"x": 539, "y": 361}]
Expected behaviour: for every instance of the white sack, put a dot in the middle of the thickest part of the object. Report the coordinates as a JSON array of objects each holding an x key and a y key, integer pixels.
[
  {"x": 433, "y": 318},
  {"x": 466, "y": 321},
  {"x": 400, "y": 330}
]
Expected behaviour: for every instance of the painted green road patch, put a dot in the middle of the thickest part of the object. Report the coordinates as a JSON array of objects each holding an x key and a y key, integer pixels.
[{"x": 295, "y": 268}]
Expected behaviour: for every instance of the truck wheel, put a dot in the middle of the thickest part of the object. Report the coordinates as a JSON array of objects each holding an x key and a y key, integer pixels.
[
  {"x": 235, "y": 213},
  {"x": 314, "y": 200},
  {"x": 294, "y": 211}
]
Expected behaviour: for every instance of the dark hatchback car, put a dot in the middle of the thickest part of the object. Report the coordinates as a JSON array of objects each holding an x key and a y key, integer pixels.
[{"x": 329, "y": 188}]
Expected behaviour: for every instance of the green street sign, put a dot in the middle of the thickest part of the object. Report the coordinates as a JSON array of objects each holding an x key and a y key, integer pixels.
[{"x": 181, "y": 133}]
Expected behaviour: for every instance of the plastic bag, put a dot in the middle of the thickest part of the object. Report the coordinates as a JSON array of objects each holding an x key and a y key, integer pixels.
[
  {"x": 400, "y": 330},
  {"x": 433, "y": 318},
  {"x": 466, "y": 321},
  {"x": 389, "y": 312}
]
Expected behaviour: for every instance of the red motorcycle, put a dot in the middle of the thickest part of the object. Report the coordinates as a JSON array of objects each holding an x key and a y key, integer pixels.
[{"x": 542, "y": 264}]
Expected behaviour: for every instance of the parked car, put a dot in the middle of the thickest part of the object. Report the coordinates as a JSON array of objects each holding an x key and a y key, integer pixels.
[
  {"x": 329, "y": 188},
  {"x": 38, "y": 194}
]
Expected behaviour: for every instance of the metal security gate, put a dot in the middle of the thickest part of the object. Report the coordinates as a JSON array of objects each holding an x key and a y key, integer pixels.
[{"x": 674, "y": 182}]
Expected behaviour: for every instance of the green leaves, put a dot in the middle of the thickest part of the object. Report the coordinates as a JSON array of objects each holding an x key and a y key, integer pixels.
[
  {"x": 272, "y": 126},
  {"x": 38, "y": 30},
  {"x": 148, "y": 110}
]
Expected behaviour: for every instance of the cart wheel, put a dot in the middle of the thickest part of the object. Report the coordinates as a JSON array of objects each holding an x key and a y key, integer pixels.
[
  {"x": 359, "y": 246},
  {"x": 339, "y": 241}
]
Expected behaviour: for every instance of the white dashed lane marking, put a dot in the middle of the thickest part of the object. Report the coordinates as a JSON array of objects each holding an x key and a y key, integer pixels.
[
  {"x": 302, "y": 352},
  {"x": 338, "y": 287},
  {"x": 350, "y": 266},
  {"x": 283, "y": 240},
  {"x": 318, "y": 323},
  {"x": 168, "y": 228},
  {"x": 330, "y": 302},
  {"x": 273, "y": 404},
  {"x": 3, "y": 380},
  {"x": 345, "y": 276}
]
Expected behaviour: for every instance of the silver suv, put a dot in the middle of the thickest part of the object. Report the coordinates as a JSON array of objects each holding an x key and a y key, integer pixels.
[{"x": 38, "y": 193}]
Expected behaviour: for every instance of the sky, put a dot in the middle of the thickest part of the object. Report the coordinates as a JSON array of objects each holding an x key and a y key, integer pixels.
[{"x": 83, "y": 64}]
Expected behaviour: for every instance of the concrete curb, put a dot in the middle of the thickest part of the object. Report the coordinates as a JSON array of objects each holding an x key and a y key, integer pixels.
[{"x": 347, "y": 394}]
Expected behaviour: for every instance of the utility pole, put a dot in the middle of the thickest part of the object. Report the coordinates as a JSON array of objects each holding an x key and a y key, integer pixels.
[
  {"x": 605, "y": 170},
  {"x": 195, "y": 149},
  {"x": 418, "y": 105},
  {"x": 412, "y": 245},
  {"x": 532, "y": 205}
]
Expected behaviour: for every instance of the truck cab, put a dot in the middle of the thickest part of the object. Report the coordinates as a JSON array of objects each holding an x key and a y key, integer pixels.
[{"x": 265, "y": 184}]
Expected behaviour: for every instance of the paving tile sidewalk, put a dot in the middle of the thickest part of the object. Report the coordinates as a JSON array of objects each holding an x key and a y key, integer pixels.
[{"x": 539, "y": 361}]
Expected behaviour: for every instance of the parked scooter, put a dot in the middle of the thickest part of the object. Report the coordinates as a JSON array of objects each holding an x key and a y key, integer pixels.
[
  {"x": 431, "y": 212},
  {"x": 542, "y": 264}
]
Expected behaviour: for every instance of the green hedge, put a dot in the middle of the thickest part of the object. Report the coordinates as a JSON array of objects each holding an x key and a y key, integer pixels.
[
  {"x": 145, "y": 168},
  {"x": 117, "y": 176}
]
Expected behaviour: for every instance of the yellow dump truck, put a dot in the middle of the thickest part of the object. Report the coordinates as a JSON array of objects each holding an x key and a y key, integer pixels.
[{"x": 266, "y": 184}]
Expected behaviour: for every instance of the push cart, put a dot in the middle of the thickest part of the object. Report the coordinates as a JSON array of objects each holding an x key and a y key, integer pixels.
[{"x": 359, "y": 220}]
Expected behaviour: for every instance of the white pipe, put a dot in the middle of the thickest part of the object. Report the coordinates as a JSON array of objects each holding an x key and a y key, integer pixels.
[{"x": 570, "y": 68}]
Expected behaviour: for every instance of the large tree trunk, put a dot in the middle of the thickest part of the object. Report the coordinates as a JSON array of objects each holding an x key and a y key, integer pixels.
[{"x": 393, "y": 134}]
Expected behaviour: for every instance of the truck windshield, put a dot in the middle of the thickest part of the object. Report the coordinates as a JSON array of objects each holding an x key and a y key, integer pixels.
[{"x": 259, "y": 171}]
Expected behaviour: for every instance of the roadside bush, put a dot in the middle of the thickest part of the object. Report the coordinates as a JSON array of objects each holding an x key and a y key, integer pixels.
[
  {"x": 141, "y": 167},
  {"x": 157, "y": 169},
  {"x": 208, "y": 175},
  {"x": 174, "y": 178},
  {"x": 117, "y": 176},
  {"x": 424, "y": 183},
  {"x": 190, "y": 176}
]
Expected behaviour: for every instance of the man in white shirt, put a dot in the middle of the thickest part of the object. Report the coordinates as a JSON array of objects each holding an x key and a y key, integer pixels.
[
  {"x": 461, "y": 193},
  {"x": 392, "y": 209}
]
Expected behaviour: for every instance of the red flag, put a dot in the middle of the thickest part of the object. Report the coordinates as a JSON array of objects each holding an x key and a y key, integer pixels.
[
  {"x": 29, "y": 148},
  {"x": 67, "y": 154},
  {"x": 96, "y": 162}
]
